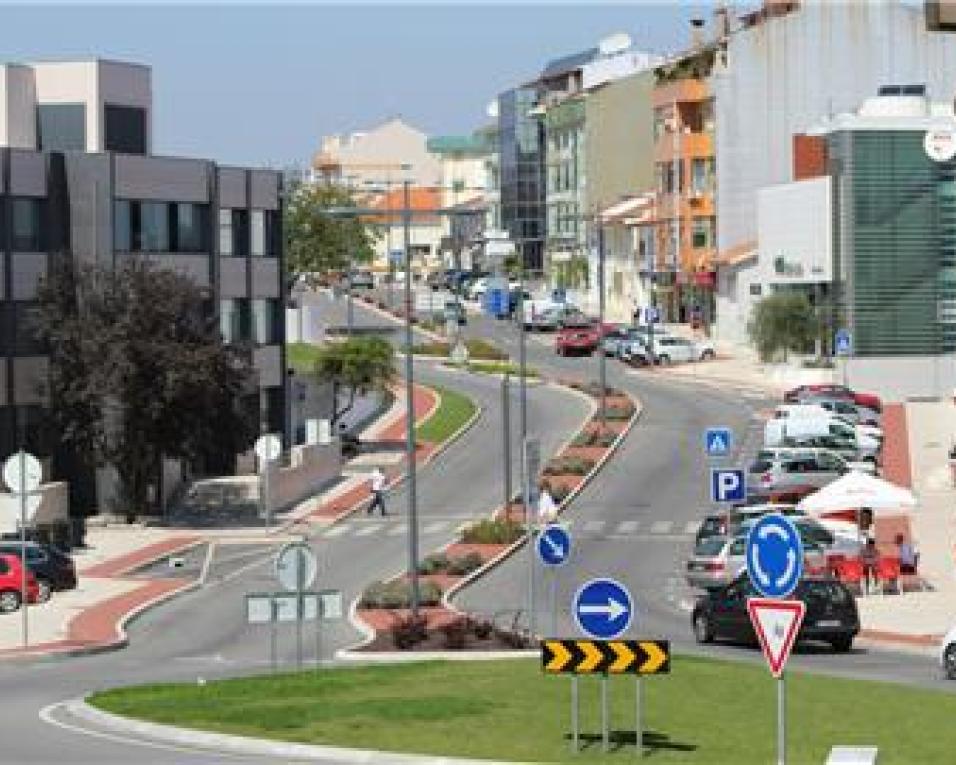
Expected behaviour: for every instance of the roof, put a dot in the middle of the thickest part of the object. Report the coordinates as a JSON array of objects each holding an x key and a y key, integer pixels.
[
  {"x": 739, "y": 253},
  {"x": 570, "y": 63},
  {"x": 420, "y": 200},
  {"x": 452, "y": 144}
]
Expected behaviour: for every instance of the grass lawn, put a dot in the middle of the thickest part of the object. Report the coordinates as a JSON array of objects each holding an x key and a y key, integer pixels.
[
  {"x": 704, "y": 712},
  {"x": 453, "y": 412},
  {"x": 301, "y": 356},
  {"x": 500, "y": 367},
  {"x": 478, "y": 349}
]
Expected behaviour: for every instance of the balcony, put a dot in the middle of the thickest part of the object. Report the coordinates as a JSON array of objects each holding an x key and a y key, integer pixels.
[
  {"x": 688, "y": 145},
  {"x": 681, "y": 91}
]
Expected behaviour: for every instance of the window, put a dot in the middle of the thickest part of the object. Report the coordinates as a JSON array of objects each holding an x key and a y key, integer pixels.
[
  {"x": 154, "y": 227},
  {"x": 257, "y": 244},
  {"x": 232, "y": 320},
  {"x": 265, "y": 321},
  {"x": 703, "y": 233},
  {"x": 122, "y": 226},
  {"x": 125, "y": 129},
  {"x": 61, "y": 127},
  {"x": 25, "y": 342},
  {"x": 25, "y": 225},
  {"x": 225, "y": 233},
  {"x": 159, "y": 226},
  {"x": 189, "y": 227}
]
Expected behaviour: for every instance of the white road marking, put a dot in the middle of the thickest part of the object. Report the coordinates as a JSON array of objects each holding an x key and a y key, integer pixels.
[
  {"x": 662, "y": 527},
  {"x": 337, "y": 531},
  {"x": 692, "y": 527},
  {"x": 397, "y": 530},
  {"x": 434, "y": 528},
  {"x": 628, "y": 527},
  {"x": 593, "y": 527},
  {"x": 369, "y": 529}
]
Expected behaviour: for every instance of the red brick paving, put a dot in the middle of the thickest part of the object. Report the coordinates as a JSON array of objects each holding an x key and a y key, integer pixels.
[
  {"x": 125, "y": 563},
  {"x": 896, "y": 449},
  {"x": 100, "y": 623}
]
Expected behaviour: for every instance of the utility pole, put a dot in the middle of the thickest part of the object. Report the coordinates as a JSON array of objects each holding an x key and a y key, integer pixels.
[
  {"x": 602, "y": 357},
  {"x": 410, "y": 406}
]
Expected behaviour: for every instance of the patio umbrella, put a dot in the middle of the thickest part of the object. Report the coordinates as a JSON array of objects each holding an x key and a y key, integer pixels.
[{"x": 855, "y": 490}]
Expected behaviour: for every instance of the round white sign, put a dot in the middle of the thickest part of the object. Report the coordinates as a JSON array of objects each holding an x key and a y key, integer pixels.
[
  {"x": 268, "y": 447},
  {"x": 459, "y": 353},
  {"x": 296, "y": 566},
  {"x": 940, "y": 144},
  {"x": 22, "y": 473}
]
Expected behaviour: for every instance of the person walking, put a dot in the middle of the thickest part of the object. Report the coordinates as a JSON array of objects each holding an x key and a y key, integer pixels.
[{"x": 378, "y": 492}]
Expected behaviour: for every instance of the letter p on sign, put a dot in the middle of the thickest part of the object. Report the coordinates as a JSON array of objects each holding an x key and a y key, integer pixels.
[{"x": 727, "y": 485}]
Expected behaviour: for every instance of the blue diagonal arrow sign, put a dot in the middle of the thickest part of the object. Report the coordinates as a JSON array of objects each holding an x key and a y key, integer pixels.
[
  {"x": 603, "y": 608},
  {"x": 554, "y": 545}
]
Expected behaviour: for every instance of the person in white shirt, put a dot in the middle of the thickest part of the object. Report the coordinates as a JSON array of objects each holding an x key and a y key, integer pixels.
[
  {"x": 547, "y": 507},
  {"x": 378, "y": 492}
]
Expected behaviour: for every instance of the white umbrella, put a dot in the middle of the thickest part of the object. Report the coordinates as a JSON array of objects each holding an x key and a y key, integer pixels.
[{"x": 855, "y": 490}]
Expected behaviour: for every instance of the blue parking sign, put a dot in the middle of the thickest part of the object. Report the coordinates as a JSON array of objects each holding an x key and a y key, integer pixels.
[{"x": 727, "y": 485}]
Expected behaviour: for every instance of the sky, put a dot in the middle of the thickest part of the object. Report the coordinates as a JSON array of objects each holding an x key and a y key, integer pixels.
[{"x": 261, "y": 84}]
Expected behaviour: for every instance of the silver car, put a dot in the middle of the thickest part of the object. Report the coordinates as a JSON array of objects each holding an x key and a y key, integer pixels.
[{"x": 718, "y": 560}]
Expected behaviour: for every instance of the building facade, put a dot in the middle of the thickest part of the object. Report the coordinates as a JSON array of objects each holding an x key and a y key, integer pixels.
[{"x": 221, "y": 226}]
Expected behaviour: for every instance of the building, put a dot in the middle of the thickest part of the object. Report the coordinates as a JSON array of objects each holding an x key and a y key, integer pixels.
[
  {"x": 76, "y": 177},
  {"x": 871, "y": 240},
  {"x": 386, "y": 154},
  {"x": 426, "y": 228}
]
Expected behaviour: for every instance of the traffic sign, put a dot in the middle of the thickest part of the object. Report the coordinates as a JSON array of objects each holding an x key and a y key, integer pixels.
[
  {"x": 22, "y": 473},
  {"x": 774, "y": 554},
  {"x": 459, "y": 353},
  {"x": 296, "y": 566},
  {"x": 268, "y": 447},
  {"x": 717, "y": 441},
  {"x": 727, "y": 485},
  {"x": 843, "y": 342},
  {"x": 653, "y": 315},
  {"x": 554, "y": 545},
  {"x": 614, "y": 657},
  {"x": 777, "y": 624},
  {"x": 603, "y": 608}
]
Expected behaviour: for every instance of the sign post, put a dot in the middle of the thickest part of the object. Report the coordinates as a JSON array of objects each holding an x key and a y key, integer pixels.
[
  {"x": 267, "y": 448},
  {"x": 529, "y": 496},
  {"x": 774, "y": 554},
  {"x": 843, "y": 345},
  {"x": 22, "y": 473}
]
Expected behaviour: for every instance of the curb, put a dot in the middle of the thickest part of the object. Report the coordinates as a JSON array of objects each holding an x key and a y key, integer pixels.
[
  {"x": 257, "y": 747},
  {"x": 371, "y": 306}
]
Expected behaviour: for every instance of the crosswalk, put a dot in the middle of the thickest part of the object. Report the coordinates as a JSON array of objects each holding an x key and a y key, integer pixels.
[{"x": 590, "y": 528}]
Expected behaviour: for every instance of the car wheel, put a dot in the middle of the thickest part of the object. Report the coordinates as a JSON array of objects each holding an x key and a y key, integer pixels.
[
  {"x": 9, "y": 601},
  {"x": 708, "y": 355},
  {"x": 44, "y": 590},
  {"x": 702, "y": 629},
  {"x": 949, "y": 661},
  {"x": 664, "y": 360},
  {"x": 842, "y": 643}
]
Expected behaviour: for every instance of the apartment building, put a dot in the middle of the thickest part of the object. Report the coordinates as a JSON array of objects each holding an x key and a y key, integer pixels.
[{"x": 77, "y": 177}]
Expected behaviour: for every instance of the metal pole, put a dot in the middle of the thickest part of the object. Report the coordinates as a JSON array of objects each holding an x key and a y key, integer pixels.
[
  {"x": 554, "y": 602},
  {"x": 24, "y": 599},
  {"x": 273, "y": 627},
  {"x": 781, "y": 721},
  {"x": 575, "y": 728},
  {"x": 602, "y": 356},
  {"x": 531, "y": 521},
  {"x": 410, "y": 408},
  {"x": 605, "y": 725},
  {"x": 299, "y": 586},
  {"x": 523, "y": 416},
  {"x": 349, "y": 311},
  {"x": 639, "y": 715},
  {"x": 677, "y": 194},
  {"x": 265, "y": 491},
  {"x": 318, "y": 633},
  {"x": 506, "y": 437}
]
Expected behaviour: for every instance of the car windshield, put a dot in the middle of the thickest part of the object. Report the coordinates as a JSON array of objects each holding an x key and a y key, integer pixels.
[{"x": 710, "y": 548}]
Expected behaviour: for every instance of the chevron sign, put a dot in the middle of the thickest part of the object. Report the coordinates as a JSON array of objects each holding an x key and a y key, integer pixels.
[{"x": 614, "y": 657}]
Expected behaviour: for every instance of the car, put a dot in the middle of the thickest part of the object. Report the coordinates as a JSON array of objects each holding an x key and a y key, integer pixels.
[
  {"x": 454, "y": 311},
  {"x": 779, "y": 429},
  {"x": 728, "y": 523},
  {"x": 11, "y": 584},
  {"x": 613, "y": 340},
  {"x": 831, "y": 540},
  {"x": 554, "y": 318},
  {"x": 766, "y": 457},
  {"x": 848, "y": 410},
  {"x": 800, "y": 468},
  {"x": 478, "y": 288},
  {"x": 947, "y": 653},
  {"x": 671, "y": 348},
  {"x": 718, "y": 560},
  {"x": 579, "y": 338},
  {"x": 808, "y": 410},
  {"x": 361, "y": 280},
  {"x": 868, "y": 400},
  {"x": 831, "y": 613},
  {"x": 54, "y": 569},
  {"x": 635, "y": 350},
  {"x": 845, "y": 447}
]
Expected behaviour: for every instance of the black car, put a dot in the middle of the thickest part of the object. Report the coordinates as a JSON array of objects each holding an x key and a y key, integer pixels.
[
  {"x": 53, "y": 568},
  {"x": 831, "y": 615}
]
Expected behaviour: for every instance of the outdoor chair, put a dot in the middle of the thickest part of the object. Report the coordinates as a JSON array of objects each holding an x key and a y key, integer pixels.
[
  {"x": 888, "y": 572},
  {"x": 850, "y": 572},
  {"x": 834, "y": 562}
]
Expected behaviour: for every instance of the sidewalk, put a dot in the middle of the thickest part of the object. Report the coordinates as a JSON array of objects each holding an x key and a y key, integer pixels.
[
  {"x": 91, "y": 616},
  {"x": 920, "y": 618}
]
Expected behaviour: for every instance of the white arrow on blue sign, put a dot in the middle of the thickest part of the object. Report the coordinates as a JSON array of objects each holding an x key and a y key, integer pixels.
[
  {"x": 653, "y": 315},
  {"x": 774, "y": 556},
  {"x": 554, "y": 545},
  {"x": 603, "y": 609},
  {"x": 717, "y": 442},
  {"x": 843, "y": 342},
  {"x": 727, "y": 485}
]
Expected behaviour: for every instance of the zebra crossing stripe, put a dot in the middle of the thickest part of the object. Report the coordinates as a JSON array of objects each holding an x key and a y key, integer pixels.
[
  {"x": 628, "y": 527},
  {"x": 337, "y": 531},
  {"x": 369, "y": 529},
  {"x": 692, "y": 527},
  {"x": 592, "y": 527},
  {"x": 398, "y": 530},
  {"x": 661, "y": 527},
  {"x": 434, "y": 528}
]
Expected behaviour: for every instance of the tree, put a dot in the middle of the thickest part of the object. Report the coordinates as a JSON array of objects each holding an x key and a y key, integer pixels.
[
  {"x": 138, "y": 371},
  {"x": 785, "y": 322},
  {"x": 357, "y": 365},
  {"x": 318, "y": 242}
]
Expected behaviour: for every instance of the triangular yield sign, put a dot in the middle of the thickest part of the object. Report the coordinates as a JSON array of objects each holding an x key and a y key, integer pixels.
[{"x": 777, "y": 623}]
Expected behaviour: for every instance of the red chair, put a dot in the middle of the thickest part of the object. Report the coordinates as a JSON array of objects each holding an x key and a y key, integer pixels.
[
  {"x": 888, "y": 572},
  {"x": 834, "y": 562},
  {"x": 850, "y": 572}
]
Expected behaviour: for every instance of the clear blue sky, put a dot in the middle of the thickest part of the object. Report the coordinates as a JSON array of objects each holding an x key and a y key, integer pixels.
[{"x": 262, "y": 84}]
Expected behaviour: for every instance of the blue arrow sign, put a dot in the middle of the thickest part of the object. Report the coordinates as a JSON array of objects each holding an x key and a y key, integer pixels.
[
  {"x": 717, "y": 441},
  {"x": 653, "y": 315},
  {"x": 774, "y": 556},
  {"x": 843, "y": 342},
  {"x": 554, "y": 545},
  {"x": 603, "y": 609},
  {"x": 727, "y": 485}
]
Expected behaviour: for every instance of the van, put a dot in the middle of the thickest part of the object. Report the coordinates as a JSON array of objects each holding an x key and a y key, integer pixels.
[
  {"x": 780, "y": 428},
  {"x": 817, "y": 410}
]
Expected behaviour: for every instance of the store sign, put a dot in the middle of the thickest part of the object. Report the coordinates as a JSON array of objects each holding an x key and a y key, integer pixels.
[{"x": 940, "y": 144}]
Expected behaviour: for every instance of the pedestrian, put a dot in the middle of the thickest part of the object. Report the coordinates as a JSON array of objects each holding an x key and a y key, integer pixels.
[
  {"x": 378, "y": 492},
  {"x": 869, "y": 557},
  {"x": 636, "y": 316},
  {"x": 907, "y": 554},
  {"x": 547, "y": 507}
]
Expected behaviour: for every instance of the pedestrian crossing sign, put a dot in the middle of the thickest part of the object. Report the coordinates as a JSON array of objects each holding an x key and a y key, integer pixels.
[{"x": 717, "y": 442}]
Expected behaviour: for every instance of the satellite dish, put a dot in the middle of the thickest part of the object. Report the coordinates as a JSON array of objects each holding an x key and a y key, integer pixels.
[
  {"x": 492, "y": 109},
  {"x": 616, "y": 43}
]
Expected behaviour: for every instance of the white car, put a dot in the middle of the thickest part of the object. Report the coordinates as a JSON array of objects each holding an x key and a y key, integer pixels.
[
  {"x": 947, "y": 654},
  {"x": 671, "y": 348},
  {"x": 478, "y": 289}
]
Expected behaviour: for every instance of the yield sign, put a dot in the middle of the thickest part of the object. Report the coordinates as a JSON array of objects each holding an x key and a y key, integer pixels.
[{"x": 777, "y": 623}]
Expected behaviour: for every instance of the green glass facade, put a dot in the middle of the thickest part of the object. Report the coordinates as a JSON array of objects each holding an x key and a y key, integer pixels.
[{"x": 895, "y": 253}]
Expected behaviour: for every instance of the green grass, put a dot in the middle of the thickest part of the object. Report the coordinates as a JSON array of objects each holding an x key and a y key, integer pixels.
[
  {"x": 301, "y": 356},
  {"x": 453, "y": 412},
  {"x": 713, "y": 712},
  {"x": 500, "y": 367},
  {"x": 478, "y": 349}
]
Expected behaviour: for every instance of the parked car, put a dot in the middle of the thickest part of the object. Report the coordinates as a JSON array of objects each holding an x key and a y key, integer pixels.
[
  {"x": 613, "y": 340},
  {"x": 582, "y": 338},
  {"x": 947, "y": 653},
  {"x": 635, "y": 350},
  {"x": 831, "y": 614},
  {"x": 361, "y": 280},
  {"x": 848, "y": 410},
  {"x": 845, "y": 447},
  {"x": 11, "y": 584},
  {"x": 814, "y": 468},
  {"x": 718, "y": 560},
  {"x": 806, "y": 410},
  {"x": 868, "y": 400},
  {"x": 478, "y": 288},
  {"x": 454, "y": 311},
  {"x": 671, "y": 348},
  {"x": 554, "y": 318},
  {"x": 54, "y": 569},
  {"x": 728, "y": 523},
  {"x": 778, "y": 429}
]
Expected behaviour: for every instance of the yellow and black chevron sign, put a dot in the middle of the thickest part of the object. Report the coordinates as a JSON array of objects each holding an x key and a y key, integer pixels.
[{"x": 585, "y": 657}]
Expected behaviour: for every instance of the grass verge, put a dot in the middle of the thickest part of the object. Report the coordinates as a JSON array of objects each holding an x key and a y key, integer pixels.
[
  {"x": 706, "y": 711},
  {"x": 301, "y": 356},
  {"x": 499, "y": 368},
  {"x": 453, "y": 412}
]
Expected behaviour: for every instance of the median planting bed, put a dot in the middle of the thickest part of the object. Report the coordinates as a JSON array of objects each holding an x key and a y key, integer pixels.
[{"x": 705, "y": 711}]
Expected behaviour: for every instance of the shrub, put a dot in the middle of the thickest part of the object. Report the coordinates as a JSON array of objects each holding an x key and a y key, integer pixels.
[
  {"x": 569, "y": 466},
  {"x": 560, "y": 493},
  {"x": 493, "y": 532},
  {"x": 482, "y": 629},
  {"x": 616, "y": 413},
  {"x": 465, "y": 564},
  {"x": 584, "y": 439},
  {"x": 455, "y": 634},
  {"x": 408, "y": 631},
  {"x": 434, "y": 564},
  {"x": 398, "y": 594}
]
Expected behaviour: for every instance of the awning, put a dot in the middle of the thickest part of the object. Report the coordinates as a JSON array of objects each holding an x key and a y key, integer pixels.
[
  {"x": 856, "y": 490},
  {"x": 739, "y": 253}
]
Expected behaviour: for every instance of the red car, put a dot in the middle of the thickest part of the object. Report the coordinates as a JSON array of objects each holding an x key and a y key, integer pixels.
[
  {"x": 868, "y": 400},
  {"x": 581, "y": 338},
  {"x": 11, "y": 584}
]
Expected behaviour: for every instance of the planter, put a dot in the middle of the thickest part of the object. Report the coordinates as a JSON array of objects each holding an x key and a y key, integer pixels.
[
  {"x": 461, "y": 549},
  {"x": 592, "y": 453}
]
